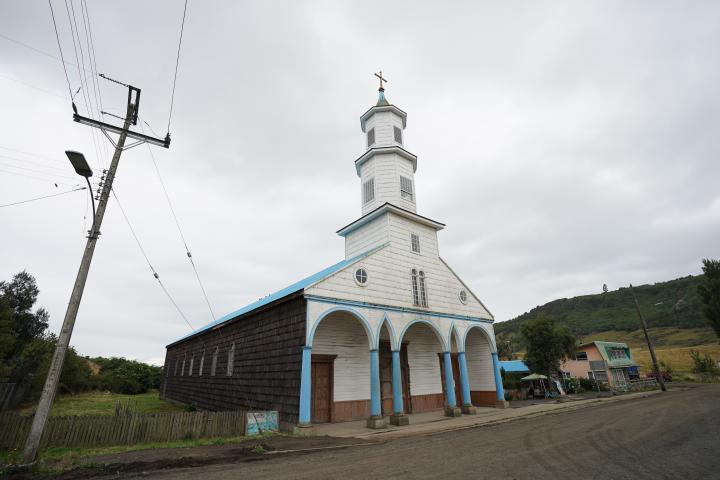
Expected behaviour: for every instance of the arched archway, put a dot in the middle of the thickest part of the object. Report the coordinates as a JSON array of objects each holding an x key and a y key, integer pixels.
[
  {"x": 481, "y": 373},
  {"x": 425, "y": 346},
  {"x": 341, "y": 340}
]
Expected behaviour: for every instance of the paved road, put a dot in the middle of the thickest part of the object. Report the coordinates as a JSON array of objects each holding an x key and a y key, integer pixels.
[{"x": 669, "y": 436}]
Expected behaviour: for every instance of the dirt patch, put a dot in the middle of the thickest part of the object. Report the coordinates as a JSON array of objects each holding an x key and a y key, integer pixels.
[{"x": 142, "y": 461}]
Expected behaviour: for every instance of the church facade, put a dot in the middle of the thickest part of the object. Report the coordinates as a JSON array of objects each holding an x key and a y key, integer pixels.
[{"x": 389, "y": 331}]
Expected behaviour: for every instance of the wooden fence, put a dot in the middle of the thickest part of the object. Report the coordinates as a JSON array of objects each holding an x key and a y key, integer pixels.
[{"x": 122, "y": 429}]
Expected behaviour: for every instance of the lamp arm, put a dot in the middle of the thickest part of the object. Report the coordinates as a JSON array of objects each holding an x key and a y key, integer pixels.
[{"x": 90, "y": 192}]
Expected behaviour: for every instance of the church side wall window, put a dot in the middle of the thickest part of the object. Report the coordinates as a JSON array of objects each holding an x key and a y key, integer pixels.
[
  {"x": 202, "y": 363},
  {"x": 423, "y": 293},
  {"x": 182, "y": 368},
  {"x": 371, "y": 137},
  {"x": 176, "y": 366},
  {"x": 418, "y": 288},
  {"x": 415, "y": 242},
  {"x": 213, "y": 366},
  {"x": 192, "y": 360},
  {"x": 406, "y": 188},
  {"x": 398, "y": 135},
  {"x": 231, "y": 360},
  {"x": 369, "y": 191}
]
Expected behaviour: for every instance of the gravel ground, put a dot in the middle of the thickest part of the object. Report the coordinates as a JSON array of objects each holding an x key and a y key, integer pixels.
[{"x": 667, "y": 436}]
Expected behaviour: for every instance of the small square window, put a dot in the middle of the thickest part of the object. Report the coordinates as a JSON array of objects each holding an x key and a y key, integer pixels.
[
  {"x": 415, "y": 242},
  {"x": 398, "y": 135},
  {"x": 371, "y": 137}
]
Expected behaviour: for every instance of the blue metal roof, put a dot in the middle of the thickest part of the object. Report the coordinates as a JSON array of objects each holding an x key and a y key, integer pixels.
[
  {"x": 295, "y": 287},
  {"x": 514, "y": 366}
]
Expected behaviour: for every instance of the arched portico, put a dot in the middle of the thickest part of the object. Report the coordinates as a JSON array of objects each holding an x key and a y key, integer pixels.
[
  {"x": 484, "y": 380},
  {"x": 337, "y": 370}
]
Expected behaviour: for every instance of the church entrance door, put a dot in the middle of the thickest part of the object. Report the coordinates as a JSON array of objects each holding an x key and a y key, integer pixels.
[
  {"x": 386, "y": 387},
  {"x": 322, "y": 388}
]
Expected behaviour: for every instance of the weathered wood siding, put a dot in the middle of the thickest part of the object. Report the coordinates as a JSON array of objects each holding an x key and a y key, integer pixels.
[
  {"x": 386, "y": 169},
  {"x": 342, "y": 335},
  {"x": 374, "y": 234},
  {"x": 389, "y": 273},
  {"x": 267, "y": 363},
  {"x": 423, "y": 348},
  {"x": 479, "y": 361}
]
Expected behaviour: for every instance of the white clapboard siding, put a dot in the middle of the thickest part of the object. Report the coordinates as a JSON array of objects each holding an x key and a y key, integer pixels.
[
  {"x": 342, "y": 335},
  {"x": 479, "y": 361},
  {"x": 389, "y": 274},
  {"x": 386, "y": 169},
  {"x": 423, "y": 348},
  {"x": 371, "y": 235},
  {"x": 383, "y": 123}
]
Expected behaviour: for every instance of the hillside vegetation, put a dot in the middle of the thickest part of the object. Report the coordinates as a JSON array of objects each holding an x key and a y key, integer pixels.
[{"x": 675, "y": 303}]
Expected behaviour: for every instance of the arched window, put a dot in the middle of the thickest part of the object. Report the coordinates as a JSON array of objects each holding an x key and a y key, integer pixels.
[
  {"x": 231, "y": 360},
  {"x": 416, "y": 296},
  {"x": 213, "y": 367},
  {"x": 176, "y": 365},
  {"x": 182, "y": 369},
  {"x": 202, "y": 363},
  {"x": 192, "y": 360},
  {"x": 418, "y": 288}
]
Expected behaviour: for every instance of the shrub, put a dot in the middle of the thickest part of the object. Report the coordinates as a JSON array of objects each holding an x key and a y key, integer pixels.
[{"x": 704, "y": 365}]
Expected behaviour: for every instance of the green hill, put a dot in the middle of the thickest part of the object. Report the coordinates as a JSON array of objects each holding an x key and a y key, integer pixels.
[{"x": 666, "y": 304}]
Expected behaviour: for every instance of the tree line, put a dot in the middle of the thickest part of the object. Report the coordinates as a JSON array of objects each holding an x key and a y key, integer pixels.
[{"x": 26, "y": 349}]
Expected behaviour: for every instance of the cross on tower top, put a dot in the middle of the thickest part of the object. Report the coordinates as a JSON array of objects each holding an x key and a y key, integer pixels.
[{"x": 380, "y": 76}]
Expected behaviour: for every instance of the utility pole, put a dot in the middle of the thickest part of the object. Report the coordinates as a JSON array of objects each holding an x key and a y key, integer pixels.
[
  {"x": 660, "y": 378},
  {"x": 51, "y": 382}
]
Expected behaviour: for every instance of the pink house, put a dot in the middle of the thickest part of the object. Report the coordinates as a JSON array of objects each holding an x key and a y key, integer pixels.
[{"x": 608, "y": 362}]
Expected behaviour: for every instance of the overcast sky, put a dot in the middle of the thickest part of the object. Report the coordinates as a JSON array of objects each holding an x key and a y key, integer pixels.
[{"x": 564, "y": 144}]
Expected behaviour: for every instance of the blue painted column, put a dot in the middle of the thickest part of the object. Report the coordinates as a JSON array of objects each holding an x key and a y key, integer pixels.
[
  {"x": 449, "y": 381},
  {"x": 305, "y": 386},
  {"x": 397, "y": 384},
  {"x": 498, "y": 378},
  {"x": 464, "y": 379},
  {"x": 375, "y": 410}
]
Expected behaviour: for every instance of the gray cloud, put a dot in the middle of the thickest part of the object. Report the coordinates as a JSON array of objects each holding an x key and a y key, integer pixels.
[{"x": 566, "y": 145}]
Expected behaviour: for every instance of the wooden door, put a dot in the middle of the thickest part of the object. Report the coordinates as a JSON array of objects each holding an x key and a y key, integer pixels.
[
  {"x": 386, "y": 387},
  {"x": 322, "y": 390}
]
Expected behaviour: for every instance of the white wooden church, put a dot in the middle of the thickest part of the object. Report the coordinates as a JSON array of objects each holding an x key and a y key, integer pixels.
[{"x": 389, "y": 331}]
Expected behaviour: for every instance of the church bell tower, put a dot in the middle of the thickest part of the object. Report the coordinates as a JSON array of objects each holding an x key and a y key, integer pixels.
[{"x": 386, "y": 169}]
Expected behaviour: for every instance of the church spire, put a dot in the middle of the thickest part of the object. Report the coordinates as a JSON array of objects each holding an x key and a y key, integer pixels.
[{"x": 382, "y": 101}]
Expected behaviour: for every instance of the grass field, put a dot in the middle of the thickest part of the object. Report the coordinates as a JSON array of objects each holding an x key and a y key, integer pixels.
[{"x": 103, "y": 403}]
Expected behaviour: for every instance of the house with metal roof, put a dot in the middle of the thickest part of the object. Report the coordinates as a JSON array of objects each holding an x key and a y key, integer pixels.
[
  {"x": 389, "y": 331},
  {"x": 607, "y": 362}
]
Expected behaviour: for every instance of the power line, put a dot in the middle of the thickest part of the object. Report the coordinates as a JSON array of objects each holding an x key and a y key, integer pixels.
[
  {"x": 179, "y": 229},
  {"x": 64, "y": 170},
  {"x": 41, "y": 198},
  {"x": 24, "y": 152},
  {"x": 35, "y": 177},
  {"x": 177, "y": 62},
  {"x": 65, "y": 177},
  {"x": 152, "y": 269},
  {"x": 57, "y": 36}
]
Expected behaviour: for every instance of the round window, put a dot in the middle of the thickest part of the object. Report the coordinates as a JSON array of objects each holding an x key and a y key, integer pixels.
[
  {"x": 463, "y": 296},
  {"x": 361, "y": 276}
]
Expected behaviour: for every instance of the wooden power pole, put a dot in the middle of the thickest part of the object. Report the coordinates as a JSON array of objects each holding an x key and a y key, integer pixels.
[
  {"x": 53, "y": 377},
  {"x": 660, "y": 378}
]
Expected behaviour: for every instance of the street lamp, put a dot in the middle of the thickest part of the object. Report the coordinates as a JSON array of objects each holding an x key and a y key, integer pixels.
[{"x": 77, "y": 159}]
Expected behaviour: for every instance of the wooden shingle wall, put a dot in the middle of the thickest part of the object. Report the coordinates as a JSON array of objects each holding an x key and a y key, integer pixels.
[{"x": 266, "y": 373}]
